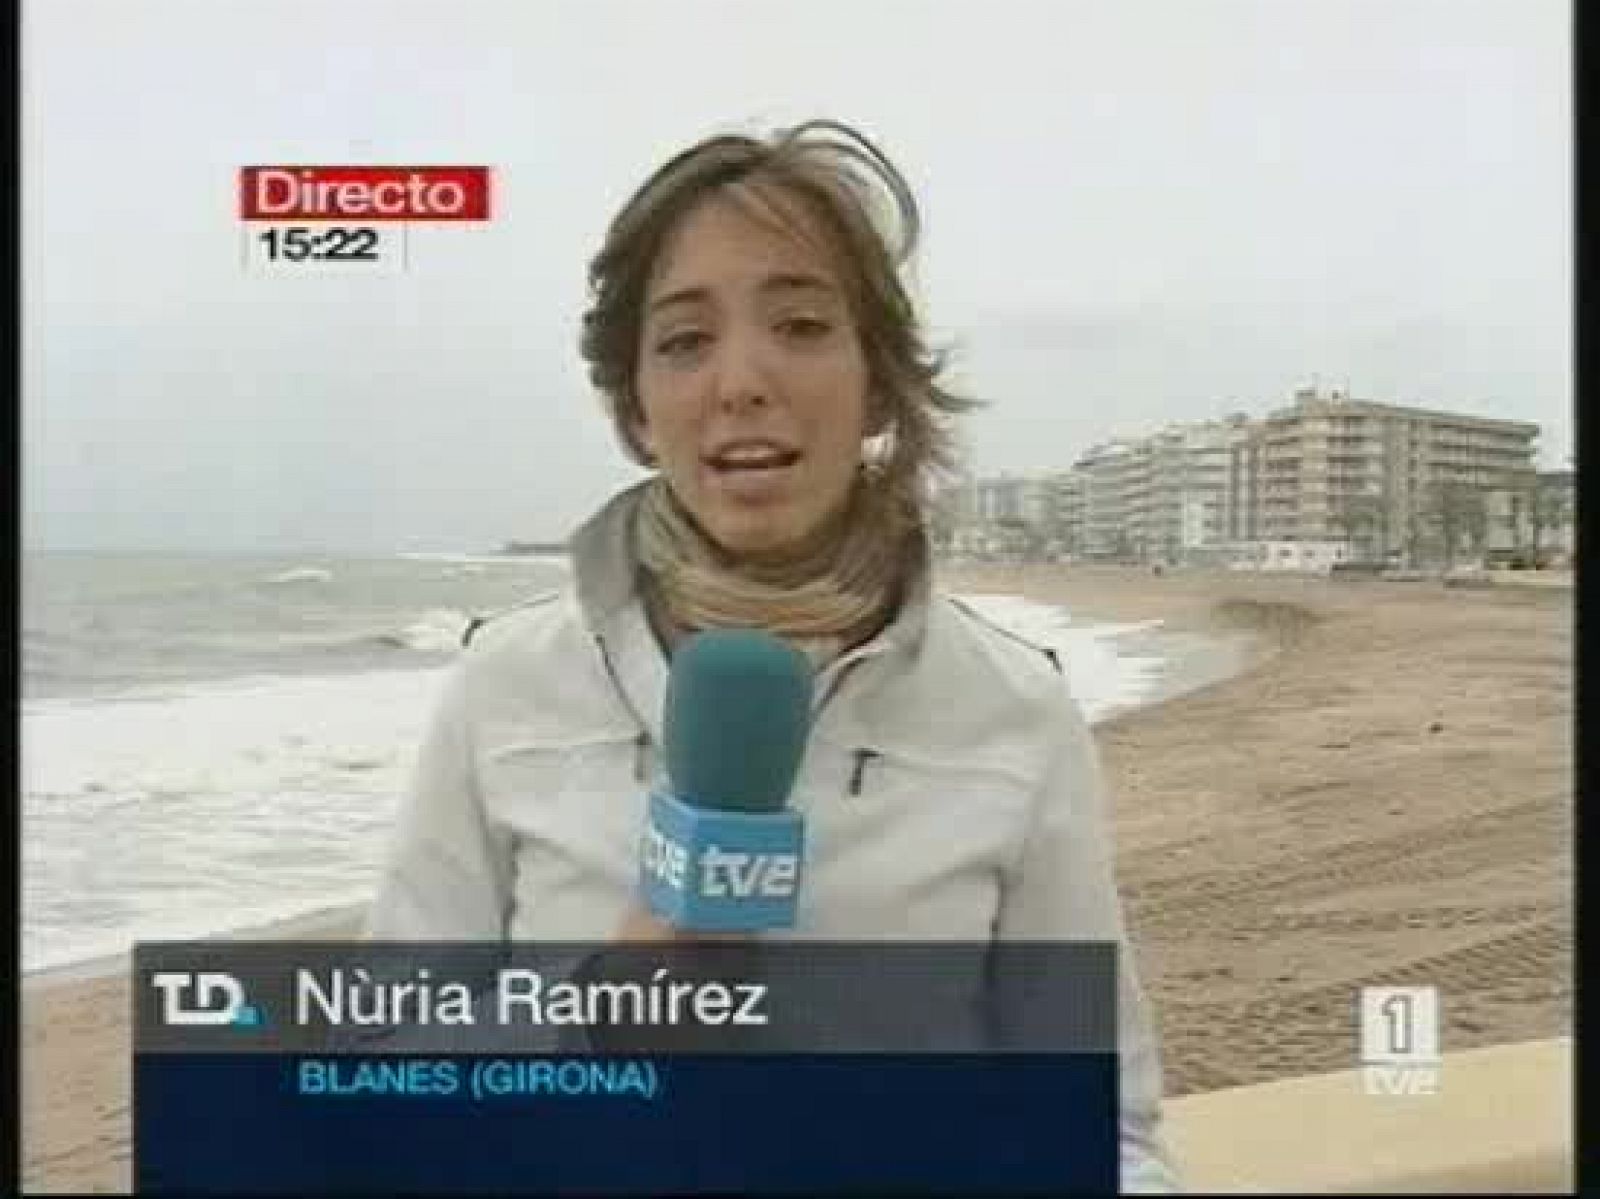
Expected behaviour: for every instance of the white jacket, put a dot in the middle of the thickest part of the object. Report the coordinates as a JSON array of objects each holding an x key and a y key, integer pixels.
[{"x": 950, "y": 789}]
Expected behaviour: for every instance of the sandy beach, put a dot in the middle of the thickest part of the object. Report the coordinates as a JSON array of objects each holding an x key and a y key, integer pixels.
[
  {"x": 1386, "y": 799},
  {"x": 1384, "y": 796}
]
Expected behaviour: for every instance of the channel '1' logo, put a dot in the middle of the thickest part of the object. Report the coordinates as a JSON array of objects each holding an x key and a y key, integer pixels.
[
  {"x": 204, "y": 998},
  {"x": 1400, "y": 1040}
]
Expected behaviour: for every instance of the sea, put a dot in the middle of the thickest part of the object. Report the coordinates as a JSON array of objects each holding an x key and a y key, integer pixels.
[{"x": 214, "y": 743}]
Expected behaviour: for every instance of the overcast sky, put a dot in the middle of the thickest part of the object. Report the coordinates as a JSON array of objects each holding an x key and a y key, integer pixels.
[{"x": 1136, "y": 212}]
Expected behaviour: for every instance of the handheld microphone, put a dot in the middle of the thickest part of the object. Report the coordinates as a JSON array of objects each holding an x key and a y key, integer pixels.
[{"x": 721, "y": 851}]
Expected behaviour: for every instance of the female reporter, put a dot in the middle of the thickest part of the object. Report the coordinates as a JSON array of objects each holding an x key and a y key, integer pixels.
[{"x": 760, "y": 357}]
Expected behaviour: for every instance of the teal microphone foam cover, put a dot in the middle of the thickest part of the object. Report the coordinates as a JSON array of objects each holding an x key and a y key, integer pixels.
[{"x": 737, "y": 715}]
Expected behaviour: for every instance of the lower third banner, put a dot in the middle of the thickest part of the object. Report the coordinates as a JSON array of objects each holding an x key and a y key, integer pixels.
[
  {"x": 743, "y": 1068},
  {"x": 746, "y": 1125}
]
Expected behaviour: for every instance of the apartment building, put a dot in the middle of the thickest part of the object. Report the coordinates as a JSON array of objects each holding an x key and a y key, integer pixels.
[
  {"x": 1327, "y": 478},
  {"x": 1242, "y": 503},
  {"x": 1001, "y": 515},
  {"x": 1162, "y": 497},
  {"x": 1380, "y": 477},
  {"x": 1066, "y": 515},
  {"x": 1554, "y": 524},
  {"x": 1190, "y": 467},
  {"x": 1114, "y": 477},
  {"x": 1012, "y": 498},
  {"x": 1536, "y": 523},
  {"x": 952, "y": 508}
]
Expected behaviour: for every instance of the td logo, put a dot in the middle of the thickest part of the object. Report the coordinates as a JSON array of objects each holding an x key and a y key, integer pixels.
[{"x": 218, "y": 999}]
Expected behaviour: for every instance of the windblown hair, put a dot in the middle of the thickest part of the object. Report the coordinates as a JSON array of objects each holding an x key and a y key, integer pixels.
[{"x": 862, "y": 206}]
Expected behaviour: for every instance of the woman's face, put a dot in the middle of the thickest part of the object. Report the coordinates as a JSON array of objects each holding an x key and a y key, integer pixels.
[{"x": 751, "y": 380}]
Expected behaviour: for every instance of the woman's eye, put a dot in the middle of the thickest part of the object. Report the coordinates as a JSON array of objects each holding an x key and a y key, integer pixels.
[
  {"x": 679, "y": 344},
  {"x": 803, "y": 327}
]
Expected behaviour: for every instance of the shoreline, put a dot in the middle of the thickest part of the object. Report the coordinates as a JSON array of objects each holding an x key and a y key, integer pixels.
[
  {"x": 1382, "y": 795},
  {"x": 1191, "y": 661},
  {"x": 325, "y": 922}
]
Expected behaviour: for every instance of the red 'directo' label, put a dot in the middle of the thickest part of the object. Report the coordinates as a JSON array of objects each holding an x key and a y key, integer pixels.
[{"x": 324, "y": 193}]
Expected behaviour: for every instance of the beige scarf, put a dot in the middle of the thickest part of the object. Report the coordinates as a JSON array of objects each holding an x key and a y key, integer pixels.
[{"x": 831, "y": 593}]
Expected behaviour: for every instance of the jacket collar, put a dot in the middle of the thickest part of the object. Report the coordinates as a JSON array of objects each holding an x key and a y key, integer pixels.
[{"x": 603, "y": 567}]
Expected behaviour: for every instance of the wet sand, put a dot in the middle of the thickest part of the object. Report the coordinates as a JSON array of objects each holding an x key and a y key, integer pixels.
[{"x": 1384, "y": 797}]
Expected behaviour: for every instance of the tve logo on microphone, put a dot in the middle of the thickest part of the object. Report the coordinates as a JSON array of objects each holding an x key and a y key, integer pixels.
[
  {"x": 217, "y": 999},
  {"x": 721, "y": 871},
  {"x": 768, "y": 875}
]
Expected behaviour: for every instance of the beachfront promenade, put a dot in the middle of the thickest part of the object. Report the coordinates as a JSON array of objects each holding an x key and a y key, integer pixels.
[{"x": 1500, "y": 1123}]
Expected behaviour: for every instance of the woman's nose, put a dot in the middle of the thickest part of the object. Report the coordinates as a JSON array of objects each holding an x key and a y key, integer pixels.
[{"x": 743, "y": 376}]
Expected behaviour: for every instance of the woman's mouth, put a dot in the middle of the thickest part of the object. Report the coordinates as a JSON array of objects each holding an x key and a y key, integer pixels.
[
  {"x": 752, "y": 459},
  {"x": 753, "y": 471}
]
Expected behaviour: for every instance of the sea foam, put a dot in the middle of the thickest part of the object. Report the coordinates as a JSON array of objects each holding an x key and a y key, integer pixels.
[{"x": 186, "y": 810}]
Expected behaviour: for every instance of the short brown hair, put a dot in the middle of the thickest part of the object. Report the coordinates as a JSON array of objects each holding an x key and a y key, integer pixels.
[{"x": 840, "y": 178}]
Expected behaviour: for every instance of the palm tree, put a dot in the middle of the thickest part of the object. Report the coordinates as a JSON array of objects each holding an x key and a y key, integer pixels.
[
  {"x": 1022, "y": 538},
  {"x": 1455, "y": 509},
  {"x": 1359, "y": 517},
  {"x": 1548, "y": 507}
]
